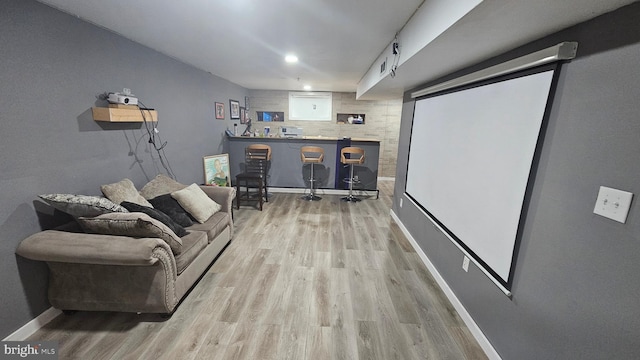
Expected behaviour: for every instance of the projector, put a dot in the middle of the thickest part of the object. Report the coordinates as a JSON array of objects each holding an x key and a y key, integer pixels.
[{"x": 118, "y": 98}]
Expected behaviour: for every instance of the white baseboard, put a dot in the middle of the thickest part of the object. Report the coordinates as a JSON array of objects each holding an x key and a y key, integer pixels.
[
  {"x": 462, "y": 311},
  {"x": 34, "y": 325}
]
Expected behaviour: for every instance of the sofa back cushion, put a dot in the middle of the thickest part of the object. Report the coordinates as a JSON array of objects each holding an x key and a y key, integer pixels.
[
  {"x": 135, "y": 225},
  {"x": 160, "y": 185},
  {"x": 123, "y": 190}
]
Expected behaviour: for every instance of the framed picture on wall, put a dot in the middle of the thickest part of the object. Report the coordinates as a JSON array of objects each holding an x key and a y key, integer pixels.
[
  {"x": 243, "y": 115},
  {"x": 220, "y": 111},
  {"x": 234, "y": 105},
  {"x": 216, "y": 170}
]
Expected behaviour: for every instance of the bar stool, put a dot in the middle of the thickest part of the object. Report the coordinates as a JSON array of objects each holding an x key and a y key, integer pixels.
[
  {"x": 311, "y": 155},
  {"x": 351, "y": 155},
  {"x": 256, "y": 161}
]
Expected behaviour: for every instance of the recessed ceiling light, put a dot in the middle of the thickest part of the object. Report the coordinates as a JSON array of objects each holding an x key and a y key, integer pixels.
[
  {"x": 291, "y": 58},
  {"x": 307, "y": 87}
]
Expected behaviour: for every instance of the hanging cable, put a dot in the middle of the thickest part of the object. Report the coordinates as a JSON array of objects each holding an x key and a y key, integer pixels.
[{"x": 154, "y": 139}]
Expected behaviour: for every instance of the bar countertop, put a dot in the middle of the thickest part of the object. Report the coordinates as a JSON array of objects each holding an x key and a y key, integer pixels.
[{"x": 314, "y": 138}]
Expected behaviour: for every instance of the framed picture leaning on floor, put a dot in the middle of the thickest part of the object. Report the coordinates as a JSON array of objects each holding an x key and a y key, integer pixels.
[{"x": 216, "y": 170}]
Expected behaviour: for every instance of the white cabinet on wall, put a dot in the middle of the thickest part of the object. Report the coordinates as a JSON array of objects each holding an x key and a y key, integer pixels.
[{"x": 315, "y": 106}]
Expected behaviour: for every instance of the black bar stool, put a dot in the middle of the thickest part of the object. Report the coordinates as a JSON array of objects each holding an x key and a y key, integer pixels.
[
  {"x": 257, "y": 158},
  {"x": 311, "y": 155},
  {"x": 351, "y": 155}
]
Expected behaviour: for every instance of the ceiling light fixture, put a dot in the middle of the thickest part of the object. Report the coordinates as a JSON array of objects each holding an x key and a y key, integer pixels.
[{"x": 290, "y": 58}]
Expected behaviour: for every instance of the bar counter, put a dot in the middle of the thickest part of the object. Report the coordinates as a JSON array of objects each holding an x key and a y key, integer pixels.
[{"x": 287, "y": 170}]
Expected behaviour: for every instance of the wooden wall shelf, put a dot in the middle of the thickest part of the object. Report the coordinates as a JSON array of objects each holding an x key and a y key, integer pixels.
[{"x": 122, "y": 114}]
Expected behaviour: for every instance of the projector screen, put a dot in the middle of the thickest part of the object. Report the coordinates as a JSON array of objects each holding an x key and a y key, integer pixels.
[{"x": 470, "y": 157}]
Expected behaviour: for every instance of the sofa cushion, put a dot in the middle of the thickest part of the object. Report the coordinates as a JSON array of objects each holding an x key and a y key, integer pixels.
[
  {"x": 156, "y": 214},
  {"x": 123, "y": 190},
  {"x": 213, "y": 226},
  {"x": 171, "y": 207},
  {"x": 160, "y": 185},
  {"x": 192, "y": 245},
  {"x": 135, "y": 225},
  {"x": 196, "y": 202},
  {"x": 82, "y": 205}
]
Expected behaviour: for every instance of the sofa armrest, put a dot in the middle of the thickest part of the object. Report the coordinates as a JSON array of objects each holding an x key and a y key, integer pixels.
[
  {"x": 222, "y": 195},
  {"x": 81, "y": 248}
]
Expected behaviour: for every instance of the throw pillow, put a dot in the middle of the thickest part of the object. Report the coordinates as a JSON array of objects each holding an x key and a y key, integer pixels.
[
  {"x": 171, "y": 207},
  {"x": 124, "y": 190},
  {"x": 137, "y": 225},
  {"x": 82, "y": 205},
  {"x": 156, "y": 214},
  {"x": 196, "y": 202},
  {"x": 160, "y": 185}
]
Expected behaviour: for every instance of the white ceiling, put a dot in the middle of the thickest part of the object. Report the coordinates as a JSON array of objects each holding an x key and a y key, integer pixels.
[{"x": 337, "y": 41}]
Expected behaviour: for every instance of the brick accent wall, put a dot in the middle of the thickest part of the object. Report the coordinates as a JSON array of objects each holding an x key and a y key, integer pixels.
[{"x": 382, "y": 121}]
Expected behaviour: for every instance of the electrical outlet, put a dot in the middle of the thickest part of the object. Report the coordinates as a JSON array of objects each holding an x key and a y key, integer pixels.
[
  {"x": 613, "y": 204},
  {"x": 465, "y": 264}
]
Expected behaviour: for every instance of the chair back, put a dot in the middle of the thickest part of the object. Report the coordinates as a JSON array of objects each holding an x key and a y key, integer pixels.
[
  {"x": 352, "y": 155},
  {"x": 256, "y": 160},
  {"x": 311, "y": 154},
  {"x": 261, "y": 146}
]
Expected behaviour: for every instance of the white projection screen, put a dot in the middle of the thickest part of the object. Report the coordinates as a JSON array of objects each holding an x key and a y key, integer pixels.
[{"x": 470, "y": 157}]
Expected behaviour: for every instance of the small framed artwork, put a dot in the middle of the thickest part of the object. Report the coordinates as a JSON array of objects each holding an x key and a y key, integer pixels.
[
  {"x": 356, "y": 119},
  {"x": 216, "y": 170},
  {"x": 243, "y": 115},
  {"x": 220, "y": 111},
  {"x": 234, "y": 106},
  {"x": 270, "y": 116}
]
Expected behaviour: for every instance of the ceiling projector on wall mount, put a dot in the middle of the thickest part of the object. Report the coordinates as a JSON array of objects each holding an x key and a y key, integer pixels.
[{"x": 125, "y": 97}]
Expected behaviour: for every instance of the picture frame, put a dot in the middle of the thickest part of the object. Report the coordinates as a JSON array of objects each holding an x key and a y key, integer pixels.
[
  {"x": 243, "y": 115},
  {"x": 216, "y": 170},
  {"x": 219, "y": 110},
  {"x": 234, "y": 109}
]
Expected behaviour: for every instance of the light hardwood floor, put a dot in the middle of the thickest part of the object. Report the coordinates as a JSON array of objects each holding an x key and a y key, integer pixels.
[{"x": 300, "y": 280}]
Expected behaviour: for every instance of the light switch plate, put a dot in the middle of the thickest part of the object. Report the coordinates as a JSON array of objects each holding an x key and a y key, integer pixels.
[
  {"x": 613, "y": 204},
  {"x": 465, "y": 264}
]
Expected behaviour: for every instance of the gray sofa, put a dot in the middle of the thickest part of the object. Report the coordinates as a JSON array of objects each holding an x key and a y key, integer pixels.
[{"x": 98, "y": 272}]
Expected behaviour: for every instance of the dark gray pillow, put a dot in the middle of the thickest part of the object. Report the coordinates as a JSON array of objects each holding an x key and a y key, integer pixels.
[
  {"x": 171, "y": 207},
  {"x": 156, "y": 214}
]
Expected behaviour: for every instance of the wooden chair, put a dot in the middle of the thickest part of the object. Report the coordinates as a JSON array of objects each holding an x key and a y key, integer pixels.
[
  {"x": 351, "y": 155},
  {"x": 256, "y": 161},
  {"x": 311, "y": 155}
]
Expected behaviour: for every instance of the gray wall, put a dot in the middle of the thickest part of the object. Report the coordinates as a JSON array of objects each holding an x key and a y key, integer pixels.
[
  {"x": 576, "y": 284},
  {"x": 53, "y": 66}
]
